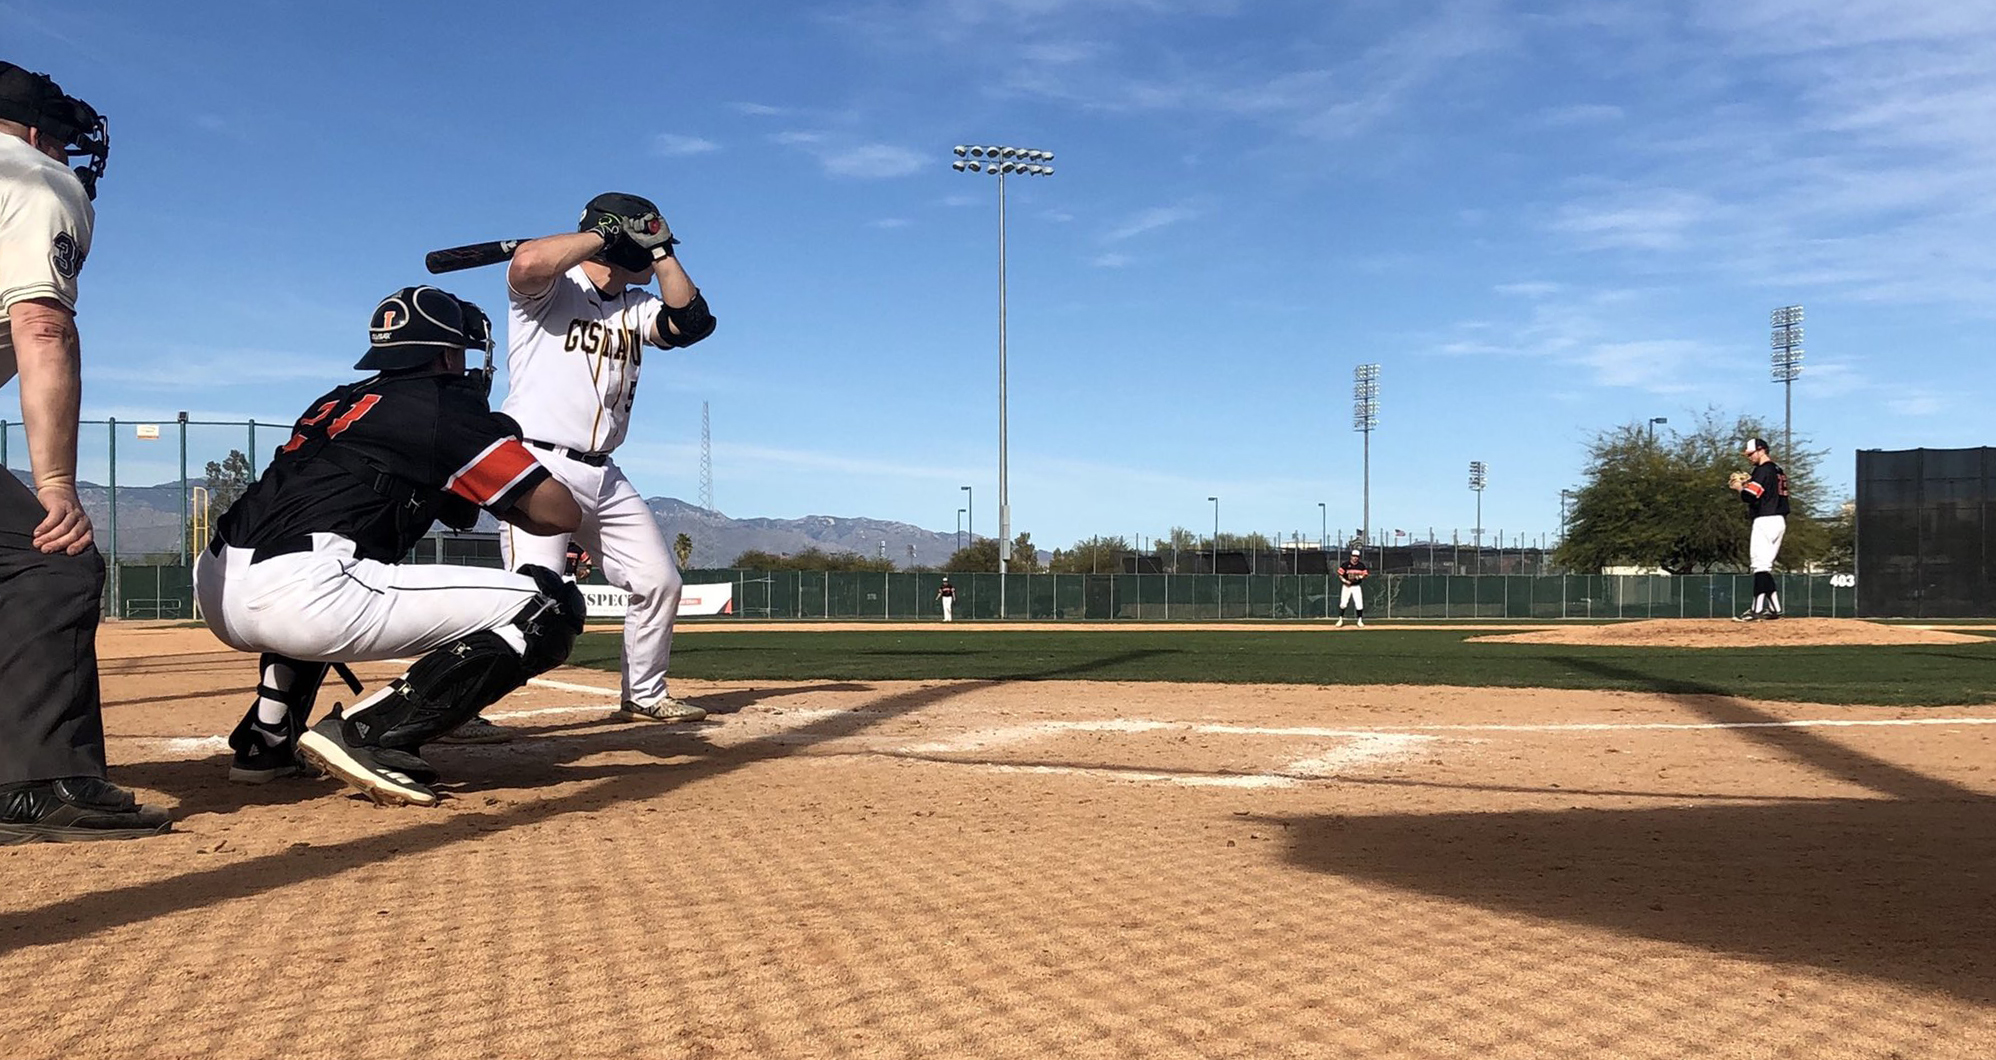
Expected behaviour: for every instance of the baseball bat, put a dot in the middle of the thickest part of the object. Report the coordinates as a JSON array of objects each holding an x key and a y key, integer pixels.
[{"x": 476, "y": 255}]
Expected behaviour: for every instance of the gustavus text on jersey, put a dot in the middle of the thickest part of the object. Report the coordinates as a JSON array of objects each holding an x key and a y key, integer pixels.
[{"x": 594, "y": 337}]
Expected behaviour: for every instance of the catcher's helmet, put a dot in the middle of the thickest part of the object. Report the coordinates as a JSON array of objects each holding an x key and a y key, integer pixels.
[
  {"x": 35, "y": 100},
  {"x": 622, "y": 253},
  {"x": 411, "y": 327}
]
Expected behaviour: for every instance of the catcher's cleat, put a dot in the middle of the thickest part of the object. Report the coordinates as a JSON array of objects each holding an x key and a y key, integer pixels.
[{"x": 332, "y": 748}]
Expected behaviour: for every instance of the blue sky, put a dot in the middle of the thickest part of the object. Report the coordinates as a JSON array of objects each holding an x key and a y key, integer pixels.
[{"x": 1541, "y": 219}]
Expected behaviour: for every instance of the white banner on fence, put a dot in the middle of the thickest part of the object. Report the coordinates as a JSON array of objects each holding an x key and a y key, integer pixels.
[{"x": 608, "y": 601}]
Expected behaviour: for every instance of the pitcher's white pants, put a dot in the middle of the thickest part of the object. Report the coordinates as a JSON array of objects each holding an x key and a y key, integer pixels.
[
  {"x": 618, "y": 529},
  {"x": 325, "y": 605},
  {"x": 949, "y": 605},
  {"x": 1351, "y": 596},
  {"x": 1765, "y": 542}
]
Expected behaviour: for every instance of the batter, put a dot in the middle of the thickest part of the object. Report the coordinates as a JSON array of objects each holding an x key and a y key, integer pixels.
[{"x": 578, "y": 319}]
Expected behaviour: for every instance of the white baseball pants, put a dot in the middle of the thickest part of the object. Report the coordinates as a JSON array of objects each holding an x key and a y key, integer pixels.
[
  {"x": 1351, "y": 596},
  {"x": 949, "y": 605},
  {"x": 618, "y": 529},
  {"x": 1765, "y": 541},
  {"x": 325, "y": 605}
]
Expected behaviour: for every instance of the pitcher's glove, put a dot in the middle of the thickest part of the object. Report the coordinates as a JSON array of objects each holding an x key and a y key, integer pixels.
[{"x": 1737, "y": 481}]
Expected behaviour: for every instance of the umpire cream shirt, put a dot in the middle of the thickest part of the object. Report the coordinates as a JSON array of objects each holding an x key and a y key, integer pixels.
[{"x": 45, "y": 226}]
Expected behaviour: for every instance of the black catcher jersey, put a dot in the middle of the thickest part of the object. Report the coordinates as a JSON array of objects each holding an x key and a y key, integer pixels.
[
  {"x": 1766, "y": 493},
  {"x": 380, "y": 461}
]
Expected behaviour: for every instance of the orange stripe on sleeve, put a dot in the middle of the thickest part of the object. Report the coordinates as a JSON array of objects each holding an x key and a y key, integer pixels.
[
  {"x": 1754, "y": 488},
  {"x": 491, "y": 473}
]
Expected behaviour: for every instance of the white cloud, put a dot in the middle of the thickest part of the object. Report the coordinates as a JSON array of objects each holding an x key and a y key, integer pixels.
[
  {"x": 1528, "y": 289},
  {"x": 842, "y": 156},
  {"x": 889, "y": 222},
  {"x": 760, "y": 110},
  {"x": 1582, "y": 114},
  {"x": 1149, "y": 221},
  {"x": 673, "y": 145},
  {"x": 1110, "y": 261}
]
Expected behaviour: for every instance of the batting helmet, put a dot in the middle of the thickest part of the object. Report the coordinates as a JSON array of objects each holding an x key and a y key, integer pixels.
[
  {"x": 622, "y": 253},
  {"x": 35, "y": 100},
  {"x": 411, "y": 327}
]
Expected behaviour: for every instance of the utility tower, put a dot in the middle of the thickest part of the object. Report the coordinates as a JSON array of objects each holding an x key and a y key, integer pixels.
[{"x": 706, "y": 460}]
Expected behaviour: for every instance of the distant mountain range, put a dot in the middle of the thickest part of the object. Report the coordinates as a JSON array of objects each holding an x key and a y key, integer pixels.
[{"x": 149, "y": 520}]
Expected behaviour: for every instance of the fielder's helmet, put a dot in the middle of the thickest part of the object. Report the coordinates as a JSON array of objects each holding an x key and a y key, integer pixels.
[
  {"x": 35, "y": 100},
  {"x": 415, "y": 324},
  {"x": 622, "y": 253}
]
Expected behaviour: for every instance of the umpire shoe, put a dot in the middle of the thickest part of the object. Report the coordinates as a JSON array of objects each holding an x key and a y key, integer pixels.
[
  {"x": 664, "y": 708},
  {"x": 73, "y": 809},
  {"x": 332, "y": 746}
]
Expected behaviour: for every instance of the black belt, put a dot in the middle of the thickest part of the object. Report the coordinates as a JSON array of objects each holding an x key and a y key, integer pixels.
[
  {"x": 592, "y": 459},
  {"x": 258, "y": 553}
]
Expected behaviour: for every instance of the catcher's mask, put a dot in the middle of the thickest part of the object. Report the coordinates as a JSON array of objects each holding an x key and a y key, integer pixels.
[
  {"x": 415, "y": 325},
  {"x": 35, "y": 100}
]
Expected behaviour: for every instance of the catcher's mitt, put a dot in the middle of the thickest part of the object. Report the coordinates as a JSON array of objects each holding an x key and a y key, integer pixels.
[{"x": 1737, "y": 481}]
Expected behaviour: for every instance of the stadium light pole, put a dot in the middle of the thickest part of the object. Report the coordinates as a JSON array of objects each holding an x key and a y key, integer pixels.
[
  {"x": 1216, "y": 533},
  {"x": 959, "y": 529},
  {"x": 1563, "y": 495},
  {"x": 1479, "y": 476},
  {"x": 1001, "y": 162},
  {"x": 1323, "y": 525},
  {"x": 1786, "y": 340},
  {"x": 1365, "y": 417},
  {"x": 970, "y": 507}
]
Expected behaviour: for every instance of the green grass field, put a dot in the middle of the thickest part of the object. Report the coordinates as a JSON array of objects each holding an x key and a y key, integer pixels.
[{"x": 1949, "y": 674}]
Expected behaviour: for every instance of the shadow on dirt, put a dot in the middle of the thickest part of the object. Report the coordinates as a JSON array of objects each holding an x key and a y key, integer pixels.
[
  {"x": 410, "y": 831},
  {"x": 1897, "y": 887}
]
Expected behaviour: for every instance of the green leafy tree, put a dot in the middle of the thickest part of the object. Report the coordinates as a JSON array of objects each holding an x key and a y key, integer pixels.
[
  {"x": 1664, "y": 503},
  {"x": 226, "y": 481},
  {"x": 810, "y": 559},
  {"x": 1025, "y": 557},
  {"x": 1091, "y": 555},
  {"x": 981, "y": 555},
  {"x": 1840, "y": 544}
]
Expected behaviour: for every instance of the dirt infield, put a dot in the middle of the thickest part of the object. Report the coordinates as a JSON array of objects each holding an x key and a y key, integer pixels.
[
  {"x": 1042, "y": 869},
  {"x": 1725, "y": 633}
]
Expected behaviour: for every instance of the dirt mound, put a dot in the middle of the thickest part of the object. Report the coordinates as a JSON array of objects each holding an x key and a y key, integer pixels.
[{"x": 1725, "y": 633}]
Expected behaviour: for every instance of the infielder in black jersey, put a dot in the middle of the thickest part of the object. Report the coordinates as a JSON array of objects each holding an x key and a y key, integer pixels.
[
  {"x": 1765, "y": 493},
  {"x": 305, "y": 569},
  {"x": 1351, "y": 580}
]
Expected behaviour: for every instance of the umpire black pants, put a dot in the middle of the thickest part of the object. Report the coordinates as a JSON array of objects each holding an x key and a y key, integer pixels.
[{"x": 51, "y": 723}]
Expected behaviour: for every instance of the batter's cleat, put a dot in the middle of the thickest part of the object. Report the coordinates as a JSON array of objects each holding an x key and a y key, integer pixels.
[
  {"x": 1747, "y": 616},
  {"x": 75, "y": 809},
  {"x": 478, "y": 730},
  {"x": 664, "y": 708},
  {"x": 371, "y": 771}
]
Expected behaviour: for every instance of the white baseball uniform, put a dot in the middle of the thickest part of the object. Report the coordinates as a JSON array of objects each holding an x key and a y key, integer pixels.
[
  {"x": 50, "y": 211},
  {"x": 572, "y": 360}
]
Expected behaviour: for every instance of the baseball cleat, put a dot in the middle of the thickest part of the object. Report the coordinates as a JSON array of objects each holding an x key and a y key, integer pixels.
[
  {"x": 328, "y": 746},
  {"x": 664, "y": 708},
  {"x": 257, "y": 760},
  {"x": 1340, "y": 625},
  {"x": 478, "y": 730},
  {"x": 1748, "y": 616}
]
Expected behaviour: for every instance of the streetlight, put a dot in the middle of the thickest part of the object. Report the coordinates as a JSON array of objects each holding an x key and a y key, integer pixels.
[
  {"x": 1479, "y": 476},
  {"x": 1563, "y": 495},
  {"x": 1653, "y": 421},
  {"x": 970, "y": 506},
  {"x": 1323, "y": 525},
  {"x": 1365, "y": 417},
  {"x": 959, "y": 529},
  {"x": 1216, "y": 533},
  {"x": 1786, "y": 340},
  {"x": 1002, "y": 162}
]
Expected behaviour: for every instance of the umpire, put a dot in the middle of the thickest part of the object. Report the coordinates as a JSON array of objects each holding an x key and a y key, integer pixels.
[{"x": 52, "y": 784}]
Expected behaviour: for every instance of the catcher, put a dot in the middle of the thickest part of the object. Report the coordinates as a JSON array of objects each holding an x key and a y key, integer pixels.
[{"x": 1351, "y": 576}]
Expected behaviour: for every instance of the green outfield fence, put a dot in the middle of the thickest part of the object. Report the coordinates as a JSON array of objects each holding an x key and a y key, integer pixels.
[
  {"x": 1218, "y": 597},
  {"x": 153, "y": 591}
]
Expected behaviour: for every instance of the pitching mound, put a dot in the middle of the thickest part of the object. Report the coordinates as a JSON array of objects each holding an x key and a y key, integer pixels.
[{"x": 1725, "y": 633}]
